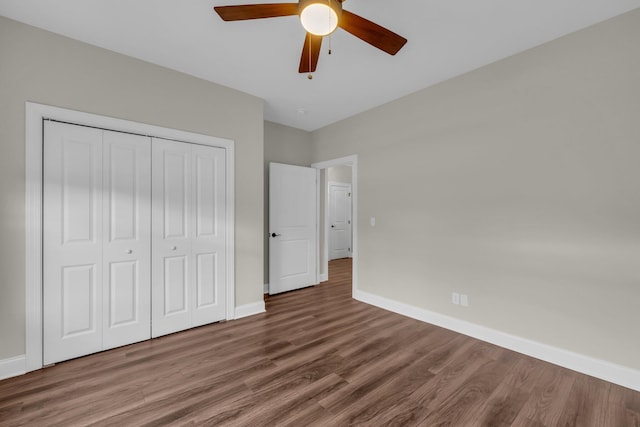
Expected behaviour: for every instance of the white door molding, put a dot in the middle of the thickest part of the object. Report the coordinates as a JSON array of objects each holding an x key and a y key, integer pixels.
[
  {"x": 35, "y": 114},
  {"x": 353, "y": 162}
]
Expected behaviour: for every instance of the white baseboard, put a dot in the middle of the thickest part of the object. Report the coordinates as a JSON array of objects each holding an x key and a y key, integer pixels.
[
  {"x": 13, "y": 367},
  {"x": 250, "y": 309},
  {"x": 323, "y": 277},
  {"x": 617, "y": 374}
]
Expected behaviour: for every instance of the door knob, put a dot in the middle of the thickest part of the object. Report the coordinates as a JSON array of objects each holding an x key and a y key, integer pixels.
[
  {"x": 129, "y": 251},
  {"x": 274, "y": 235},
  {"x": 333, "y": 226},
  {"x": 173, "y": 248}
]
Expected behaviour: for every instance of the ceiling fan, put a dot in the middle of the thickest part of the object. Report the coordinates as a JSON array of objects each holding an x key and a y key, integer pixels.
[{"x": 319, "y": 18}]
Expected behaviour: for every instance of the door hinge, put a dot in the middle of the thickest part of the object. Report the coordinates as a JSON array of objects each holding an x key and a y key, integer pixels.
[
  {"x": 349, "y": 222},
  {"x": 349, "y": 195}
]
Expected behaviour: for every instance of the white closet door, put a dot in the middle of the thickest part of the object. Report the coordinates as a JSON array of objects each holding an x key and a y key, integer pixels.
[
  {"x": 99, "y": 254},
  {"x": 72, "y": 241},
  {"x": 188, "y": 245},
  {"x": 127, "y": 239},
  {"x": 171, "y": 246},
  {"x": 209, "y": 239}
]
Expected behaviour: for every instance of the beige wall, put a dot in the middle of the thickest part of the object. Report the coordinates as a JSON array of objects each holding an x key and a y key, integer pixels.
[
  {"x": 39, "y": 66},
  {"x": 340, "y": 174},
  {"x": 517, "y": 184},
  {"x": 282, "y": 144}
]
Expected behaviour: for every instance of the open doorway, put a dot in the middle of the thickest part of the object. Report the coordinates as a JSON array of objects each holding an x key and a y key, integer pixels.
[
  {"x": 338, "y": 211},
  {"x": 337, "y": 171}
]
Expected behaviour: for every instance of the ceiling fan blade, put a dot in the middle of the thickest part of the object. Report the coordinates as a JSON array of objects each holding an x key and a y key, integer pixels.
[
  {"x": 256, "y": 11},
  {"x": 371, "y": 33},
  {"x": 310, "y": 53}
]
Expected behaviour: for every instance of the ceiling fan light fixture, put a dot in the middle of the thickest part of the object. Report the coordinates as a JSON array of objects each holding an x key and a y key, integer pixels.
[{"x": 320, "y": 17}]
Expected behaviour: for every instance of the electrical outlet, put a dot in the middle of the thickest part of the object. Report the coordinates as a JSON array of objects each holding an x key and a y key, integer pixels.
[
  {"x": 464, "y": 300},
  {"x": 455, "y": 298}
]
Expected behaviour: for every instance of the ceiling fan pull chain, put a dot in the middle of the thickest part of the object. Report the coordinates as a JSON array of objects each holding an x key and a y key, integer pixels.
[
  {"x": 329, "y": 12},
  {"x": 310, "y": 76}
]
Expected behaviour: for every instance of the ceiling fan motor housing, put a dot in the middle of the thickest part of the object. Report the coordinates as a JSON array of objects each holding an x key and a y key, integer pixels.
[{"x": 333, "y": 4}]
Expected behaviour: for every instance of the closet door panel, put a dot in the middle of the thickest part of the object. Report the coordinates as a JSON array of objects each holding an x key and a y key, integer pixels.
[
  {"x": 127, "y": 243},
  {"x": 206, "y": 267},
  {"x": 171, "y": 244},
  {"x": 123, "y": 296},
  {"x": 209, "y": 237},
  {"x": 72, "y": 241},
  {"x": 78, "y": 312},
  {"x": 176, "y": 289},
  {"x": 176, "y": 186}
]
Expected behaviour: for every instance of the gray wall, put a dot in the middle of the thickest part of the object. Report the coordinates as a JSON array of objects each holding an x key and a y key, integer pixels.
[
  {"x": 42, "y": 67},
  {"x": 517, "y": 184},
  {"x": 340, "y": 174},
  {"x": 282, "y": 144}
]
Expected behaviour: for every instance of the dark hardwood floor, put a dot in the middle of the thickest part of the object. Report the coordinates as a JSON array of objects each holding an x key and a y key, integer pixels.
[{"x": 316, "y": 358}]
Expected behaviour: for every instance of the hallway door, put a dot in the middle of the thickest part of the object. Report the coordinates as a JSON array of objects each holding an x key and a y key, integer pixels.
[{"x": 292, "y": 227}]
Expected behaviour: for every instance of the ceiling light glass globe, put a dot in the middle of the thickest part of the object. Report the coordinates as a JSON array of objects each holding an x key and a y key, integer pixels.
[{"x": 319, "y": 19}]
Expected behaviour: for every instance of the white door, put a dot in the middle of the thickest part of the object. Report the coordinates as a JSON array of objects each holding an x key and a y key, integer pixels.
[
  {"x": 209, "y": 236},
  {"x": 171, "y": 166},
  {"x": 72, "y": 242},
  {"x": 188, "y": 265},
  {"x": 96, "y": 240},
  {"x": 339, "y": 220},
  {"x": 292, "y": 227},
  {"x": 126, "y": 255}
]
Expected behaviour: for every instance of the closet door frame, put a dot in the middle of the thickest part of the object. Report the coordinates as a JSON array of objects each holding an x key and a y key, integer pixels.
[{"x": 35, "y": 115}]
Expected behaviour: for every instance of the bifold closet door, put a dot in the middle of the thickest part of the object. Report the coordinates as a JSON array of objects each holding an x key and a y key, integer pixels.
[
  {"x": 72, "y": 242},
  {"x": 188, "y": 244},
  {"x": 126, "y": 255},
  {"x": 96, "y": 240}
]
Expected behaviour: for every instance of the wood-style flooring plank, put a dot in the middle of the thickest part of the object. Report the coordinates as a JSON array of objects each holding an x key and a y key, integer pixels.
[
  {"x": 317, "y": 357},
  {"x": 546, "y": 403}
]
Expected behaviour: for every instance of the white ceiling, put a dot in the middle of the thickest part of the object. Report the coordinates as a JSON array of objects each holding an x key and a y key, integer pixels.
[{"x": 261, "y": 57}]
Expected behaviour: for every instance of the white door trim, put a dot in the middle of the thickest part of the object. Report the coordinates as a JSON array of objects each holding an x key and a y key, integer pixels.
[
  {"x": 34, "y": 115},
  {"x": 353, "y": 162}
]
